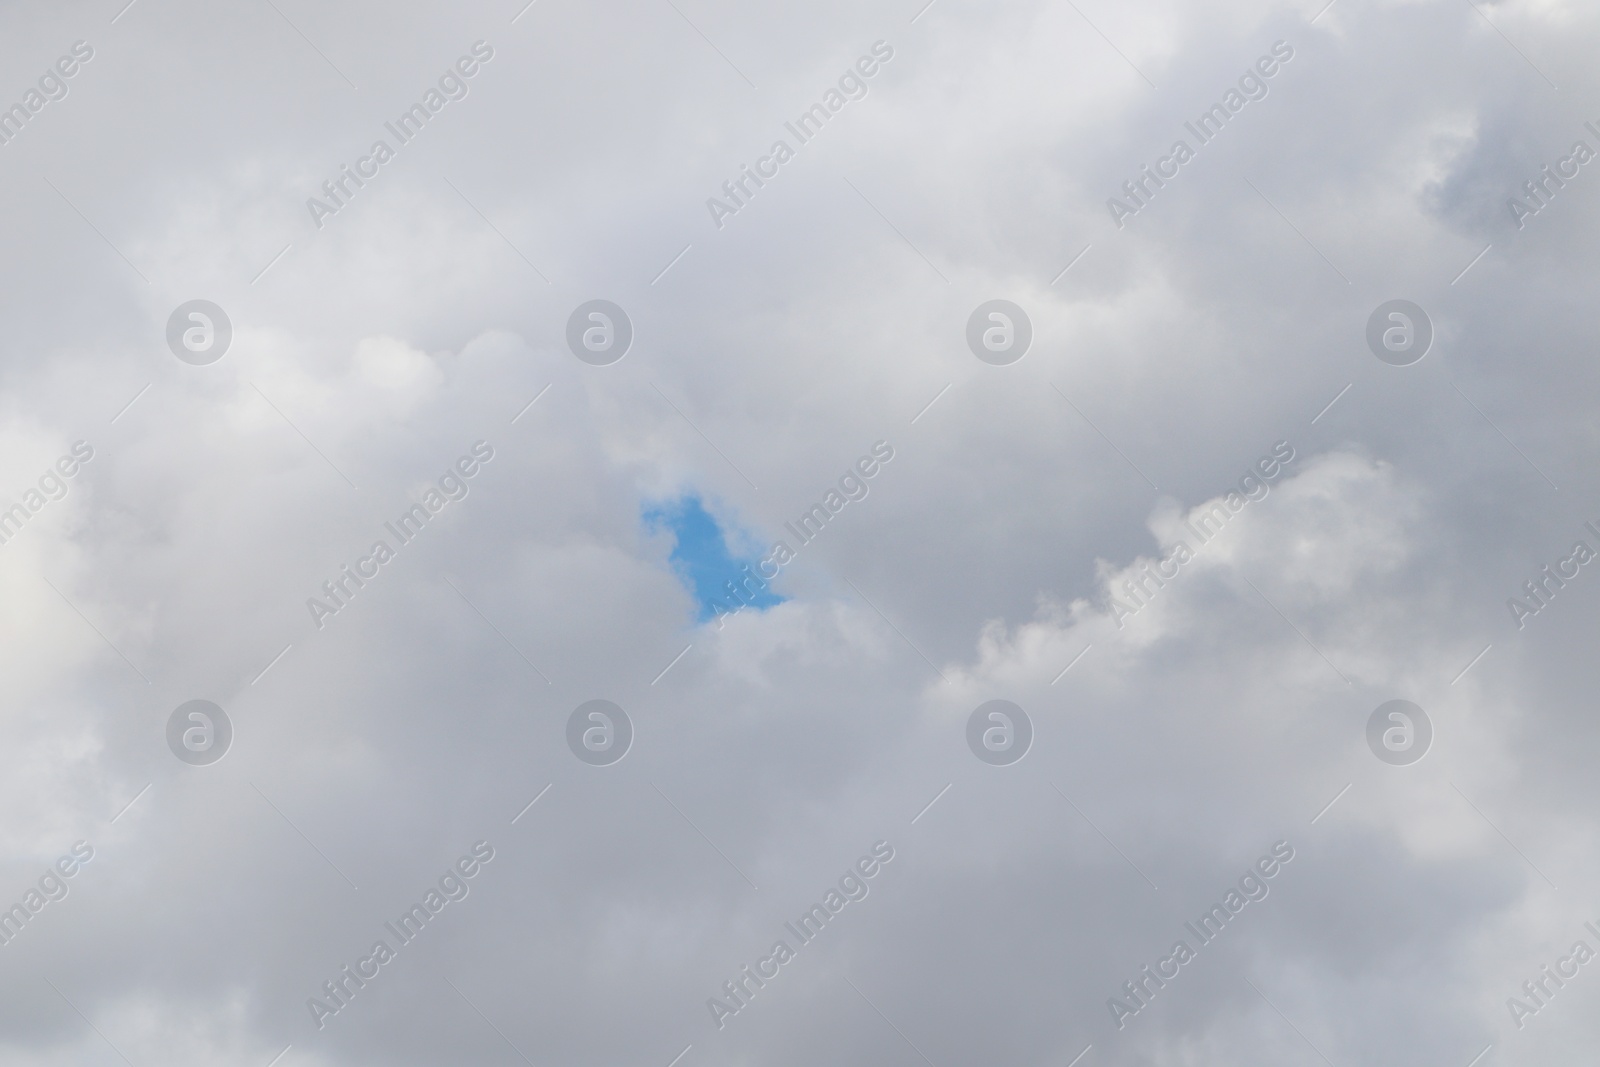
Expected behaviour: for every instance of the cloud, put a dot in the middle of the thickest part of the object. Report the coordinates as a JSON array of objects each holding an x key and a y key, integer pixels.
[{"x": 1187, "y": 714}]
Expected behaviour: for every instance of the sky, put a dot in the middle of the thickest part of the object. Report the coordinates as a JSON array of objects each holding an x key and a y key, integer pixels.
[{"x": 1160, "y": 430}]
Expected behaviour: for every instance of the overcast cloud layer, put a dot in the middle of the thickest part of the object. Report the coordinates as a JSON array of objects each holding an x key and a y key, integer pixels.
[{"x": 1199, "y": 501}]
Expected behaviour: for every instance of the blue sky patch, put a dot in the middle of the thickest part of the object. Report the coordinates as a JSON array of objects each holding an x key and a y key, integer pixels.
[{"x": 701, "y": 558}]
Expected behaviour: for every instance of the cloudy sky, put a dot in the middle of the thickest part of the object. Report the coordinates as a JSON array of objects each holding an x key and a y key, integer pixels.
[{"x": 1346, "y": 328}]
